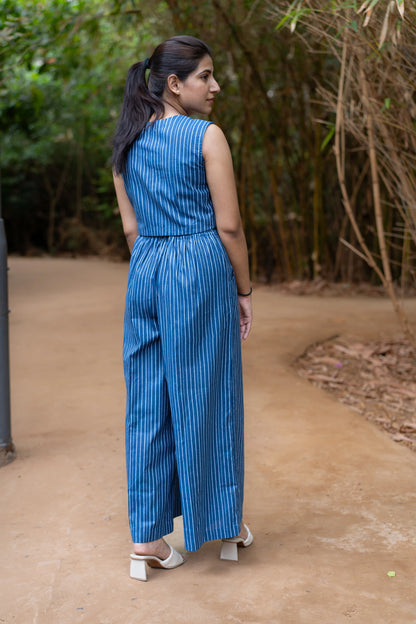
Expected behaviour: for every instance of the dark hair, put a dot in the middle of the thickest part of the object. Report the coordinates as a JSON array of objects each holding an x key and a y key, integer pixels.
[{"x": 177, "y": 55}]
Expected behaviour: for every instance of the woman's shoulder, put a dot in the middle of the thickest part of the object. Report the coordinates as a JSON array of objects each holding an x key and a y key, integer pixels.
[
  {"x": 177, "y": 123},
  {"x": 215, "y": 143},
  {"x": 190, "y": 129},
  {"x": 192, "y": 122}
]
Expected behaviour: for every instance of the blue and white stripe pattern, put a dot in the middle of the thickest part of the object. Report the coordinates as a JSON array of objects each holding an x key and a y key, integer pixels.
[
  {"x": 182, "y": 362},
  {"x": 165, "y": 179}
]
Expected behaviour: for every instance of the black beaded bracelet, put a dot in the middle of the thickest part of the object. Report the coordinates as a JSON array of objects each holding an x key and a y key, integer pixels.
[{"x": 245, "y": 294}]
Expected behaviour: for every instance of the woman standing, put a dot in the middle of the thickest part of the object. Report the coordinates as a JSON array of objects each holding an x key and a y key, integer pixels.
[{"x": 188, "y": 305}]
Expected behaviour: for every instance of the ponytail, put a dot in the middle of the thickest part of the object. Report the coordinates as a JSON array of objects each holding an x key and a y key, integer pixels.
[{"x": 139, "y": 105}]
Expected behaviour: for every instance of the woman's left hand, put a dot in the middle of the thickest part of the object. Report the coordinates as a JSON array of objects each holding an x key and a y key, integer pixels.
[{"x": 246, "y": 316}]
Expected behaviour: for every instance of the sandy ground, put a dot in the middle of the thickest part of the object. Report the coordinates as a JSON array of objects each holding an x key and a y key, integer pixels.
[{"x": 330, "y": 499}]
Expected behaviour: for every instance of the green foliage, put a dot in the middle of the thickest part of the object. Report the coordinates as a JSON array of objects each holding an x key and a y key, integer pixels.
[{"x": 63, "y": 69}]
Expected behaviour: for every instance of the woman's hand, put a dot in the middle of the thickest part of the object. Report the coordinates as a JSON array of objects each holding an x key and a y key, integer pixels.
[{"x": 246, "y": 316}]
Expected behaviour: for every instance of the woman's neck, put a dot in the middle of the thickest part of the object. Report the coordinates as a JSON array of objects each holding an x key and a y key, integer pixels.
[{"x": 173, "y": 108}]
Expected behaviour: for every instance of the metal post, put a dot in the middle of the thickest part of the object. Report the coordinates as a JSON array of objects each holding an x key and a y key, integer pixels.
[{"x": 7, "y": 451}]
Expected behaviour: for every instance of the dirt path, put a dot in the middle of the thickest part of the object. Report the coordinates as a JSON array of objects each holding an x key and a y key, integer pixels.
[{"x": 330, "y": 499}]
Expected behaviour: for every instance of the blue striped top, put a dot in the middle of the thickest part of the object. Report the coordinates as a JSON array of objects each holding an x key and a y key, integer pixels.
[{"x": 165, "y": 178}]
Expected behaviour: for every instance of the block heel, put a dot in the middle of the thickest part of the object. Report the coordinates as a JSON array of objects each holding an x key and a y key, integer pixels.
[
  {"x": 230, "y": 545},
  {"x": 138, "y": 563},
  {"x": 138, "y": 569}
]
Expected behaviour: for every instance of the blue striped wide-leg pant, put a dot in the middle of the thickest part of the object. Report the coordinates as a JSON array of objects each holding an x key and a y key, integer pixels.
[{"x": 182, "y": 364}]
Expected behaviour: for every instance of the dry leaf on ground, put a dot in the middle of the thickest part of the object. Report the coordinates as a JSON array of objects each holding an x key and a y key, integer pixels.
[{"x": 377, "y": 379}]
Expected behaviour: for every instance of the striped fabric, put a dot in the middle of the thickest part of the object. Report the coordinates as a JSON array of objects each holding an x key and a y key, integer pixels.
[
  {"x": 166, "y": 175},
  {"x": 182, "y": 358}
]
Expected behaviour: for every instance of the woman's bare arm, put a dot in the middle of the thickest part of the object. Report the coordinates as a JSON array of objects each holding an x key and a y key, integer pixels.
[
  {"x": 128, "y": 216},
  {"x": 220, "y": 178}
]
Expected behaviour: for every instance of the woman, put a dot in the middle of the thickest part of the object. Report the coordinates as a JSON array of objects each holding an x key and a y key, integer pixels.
[{"x": 188, "y": 305}]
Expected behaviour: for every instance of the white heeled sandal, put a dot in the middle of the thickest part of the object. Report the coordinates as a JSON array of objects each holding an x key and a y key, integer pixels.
[
  {"x": 230, "y": 545},
  {"x": 138, "y": 563}
]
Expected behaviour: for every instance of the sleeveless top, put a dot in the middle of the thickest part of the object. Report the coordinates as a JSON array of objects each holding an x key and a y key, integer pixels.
[{"x": 165, "y": 178}]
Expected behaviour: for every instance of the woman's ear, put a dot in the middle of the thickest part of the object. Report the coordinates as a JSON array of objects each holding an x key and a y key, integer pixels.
[{"x": 173, "y": 84}]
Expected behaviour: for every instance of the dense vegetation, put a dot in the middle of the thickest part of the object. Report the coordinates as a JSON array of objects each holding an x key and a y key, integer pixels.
[
  {"x": 63, "y": 65},
  {"x": 62, "y": 70}
]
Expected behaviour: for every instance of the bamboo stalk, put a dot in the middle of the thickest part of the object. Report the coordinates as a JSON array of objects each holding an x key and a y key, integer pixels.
[
  {"x": 340, "y": 162},
  {"x": 317, "y": 203},
  {"x": 278, "y": 207},
  {"x": 378, "y": 209},
  {"x": 54, "y": 197}
]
